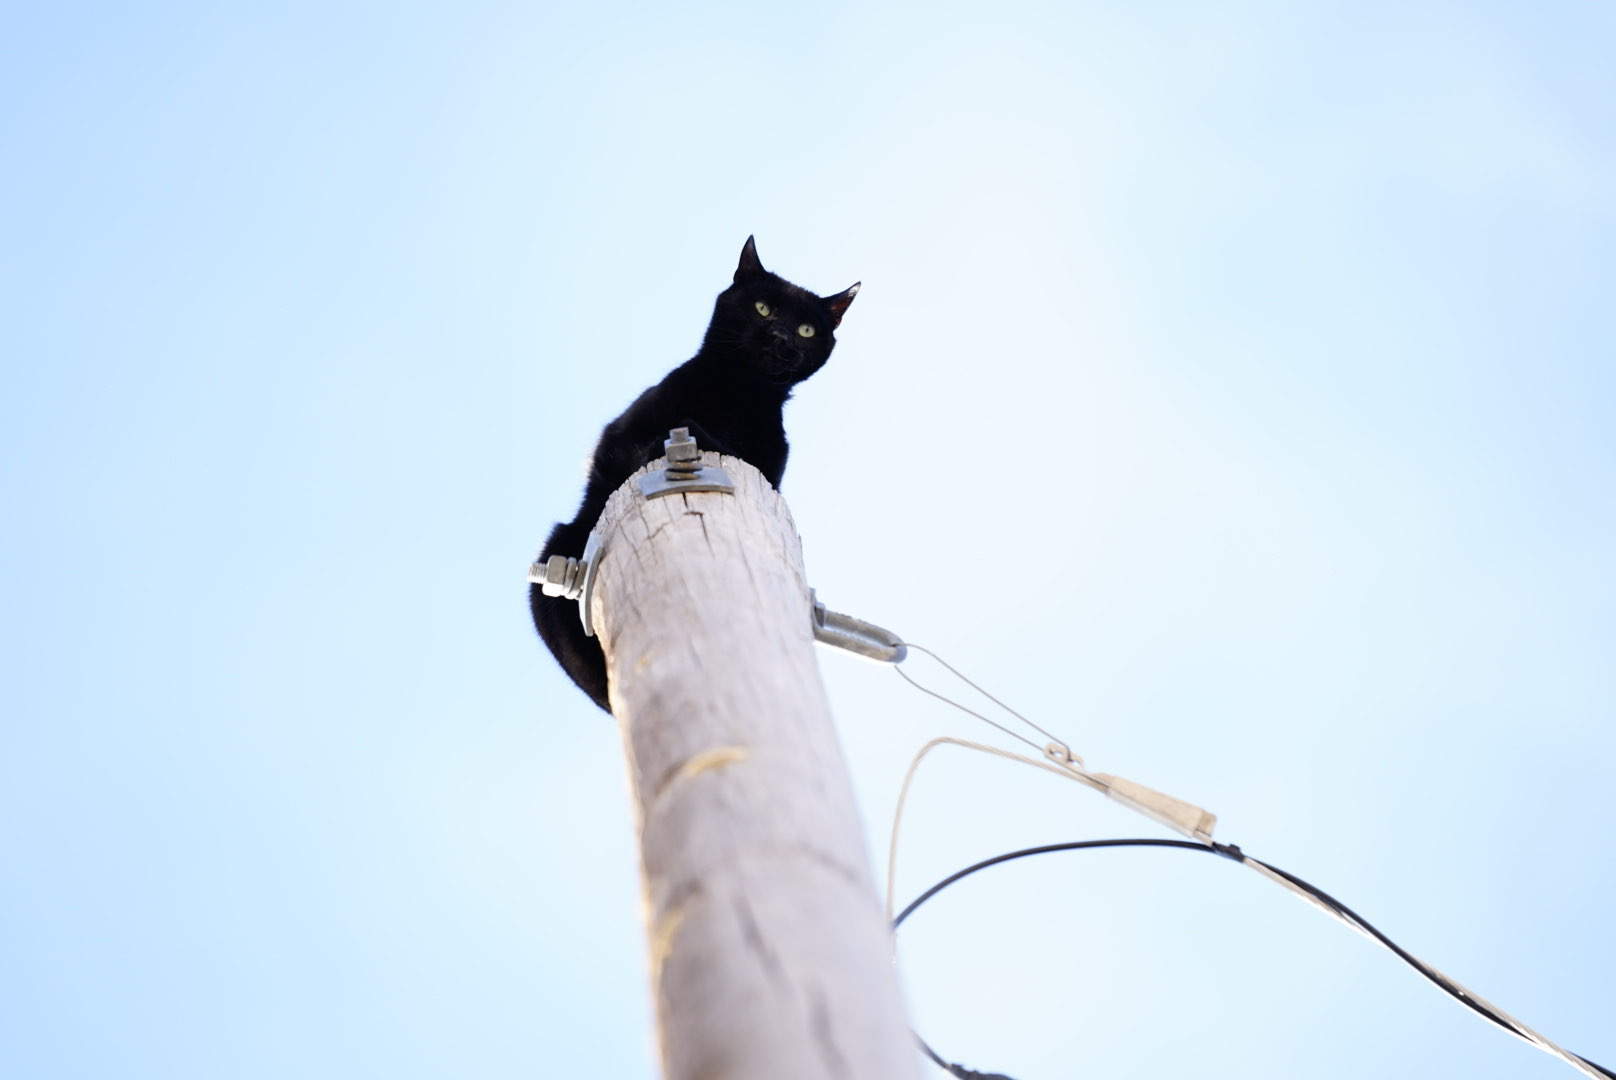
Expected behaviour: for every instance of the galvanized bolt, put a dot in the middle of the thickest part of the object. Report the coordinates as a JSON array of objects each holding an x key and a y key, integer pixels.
[
  {"x": 559, "y": 575},
  {"x": 684, "y": 456}
]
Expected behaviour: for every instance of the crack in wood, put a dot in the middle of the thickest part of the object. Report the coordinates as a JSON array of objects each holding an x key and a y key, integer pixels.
[
  {"x": 716, "y": 757},
  {"x": 758, "y": 945},
  {"x": 836, "y": 1063},
  {"x": 667, "y": 925}
]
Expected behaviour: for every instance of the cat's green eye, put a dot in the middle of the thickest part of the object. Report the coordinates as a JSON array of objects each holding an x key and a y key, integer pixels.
[
  {"x": 762, "y": 309},
  {"x": 805, "y": 330}
]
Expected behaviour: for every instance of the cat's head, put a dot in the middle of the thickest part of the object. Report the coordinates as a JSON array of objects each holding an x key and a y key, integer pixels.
[{"x": 774, "y": 328}]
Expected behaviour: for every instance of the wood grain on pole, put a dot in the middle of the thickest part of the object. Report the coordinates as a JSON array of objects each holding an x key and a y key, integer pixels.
[{"x": 770, "y": 957}]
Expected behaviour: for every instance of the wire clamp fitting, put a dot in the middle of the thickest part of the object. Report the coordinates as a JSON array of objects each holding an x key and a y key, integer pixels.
[
  {"x": 684, "y": 471},
  {"x": 1062, "y": 755},
  {"x": 855, "y": 635}
]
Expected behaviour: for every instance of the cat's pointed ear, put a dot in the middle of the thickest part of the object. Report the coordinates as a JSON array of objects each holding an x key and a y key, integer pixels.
[
  {"x": 838, "y": 304},
  {"x": 750, "y": 264}
]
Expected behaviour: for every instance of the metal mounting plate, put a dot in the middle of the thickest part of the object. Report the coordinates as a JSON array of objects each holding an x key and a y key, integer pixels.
[{"x": 707, "y": 478}]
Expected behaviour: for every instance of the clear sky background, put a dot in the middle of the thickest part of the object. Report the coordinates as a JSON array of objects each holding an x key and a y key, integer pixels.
[{"x": 1231, "y": 390}]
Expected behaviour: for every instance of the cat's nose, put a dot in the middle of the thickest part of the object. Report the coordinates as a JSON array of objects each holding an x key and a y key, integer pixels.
[{"x": 779, "y": 335}]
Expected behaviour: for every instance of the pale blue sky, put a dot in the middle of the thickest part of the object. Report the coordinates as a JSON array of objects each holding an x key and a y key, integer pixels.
[{"x": 1231, "y": 390}]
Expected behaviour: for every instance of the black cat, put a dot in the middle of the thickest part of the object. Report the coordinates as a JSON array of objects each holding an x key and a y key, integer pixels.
[{"x": 766, "y": 336}]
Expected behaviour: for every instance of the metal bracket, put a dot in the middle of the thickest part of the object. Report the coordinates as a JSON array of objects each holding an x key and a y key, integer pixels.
[
  {"x": 855, "y": 635},
  {"x": 684, "y": 472},
  {"x": 572, "y": 579}
]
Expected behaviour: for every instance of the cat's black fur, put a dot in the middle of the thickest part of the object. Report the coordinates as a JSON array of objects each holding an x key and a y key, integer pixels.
[{"x": 730, "y": 395}]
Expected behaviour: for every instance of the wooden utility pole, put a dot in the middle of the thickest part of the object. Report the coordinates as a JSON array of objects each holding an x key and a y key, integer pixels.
[{"x": 770, "y": 957}]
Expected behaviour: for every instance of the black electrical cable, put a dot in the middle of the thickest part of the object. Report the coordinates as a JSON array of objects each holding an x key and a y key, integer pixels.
[
  {"x": 1228, "y": 851},
  {"x": 1073, "y": 846}
]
